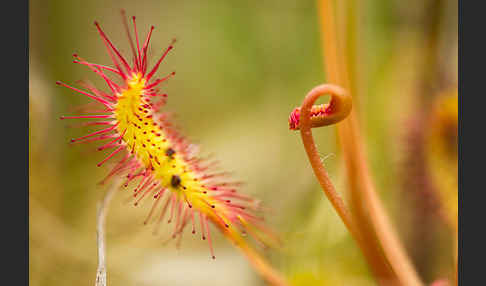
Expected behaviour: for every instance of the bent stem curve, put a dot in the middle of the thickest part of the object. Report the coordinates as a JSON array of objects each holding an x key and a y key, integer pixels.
[
  {"x": 314, "y": 158},
  {"x": 321, "y": 174}
]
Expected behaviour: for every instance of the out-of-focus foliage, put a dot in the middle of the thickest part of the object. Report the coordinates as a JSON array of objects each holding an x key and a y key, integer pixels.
[
  {"x": 442, "y": 152},
  {"x": 241, "y": 68}
]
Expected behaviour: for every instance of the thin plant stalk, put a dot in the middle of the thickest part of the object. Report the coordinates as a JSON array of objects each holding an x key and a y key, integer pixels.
[
  {"x": 334, "y": 74},
  {"x": 266, "y": 271},
  {"x": 259, "y": 263},
  {"x": 355, "y": 159},
  {"x": 315, "y": 159},
  {"x": 305, "y": 126},
  {"x": 103, "y": 207}
]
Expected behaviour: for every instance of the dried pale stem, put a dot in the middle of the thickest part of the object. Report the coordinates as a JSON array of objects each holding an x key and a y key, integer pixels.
[{"x": 100, "y": 234}]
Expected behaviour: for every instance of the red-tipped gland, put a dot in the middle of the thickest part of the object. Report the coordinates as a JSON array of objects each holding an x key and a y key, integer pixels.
[
  {"x": 156, "y": 67},
  {"x": 336, "y": 110}
]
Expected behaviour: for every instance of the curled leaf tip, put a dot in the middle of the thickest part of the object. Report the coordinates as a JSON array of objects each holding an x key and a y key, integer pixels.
[{"x": 330, "y": 113}]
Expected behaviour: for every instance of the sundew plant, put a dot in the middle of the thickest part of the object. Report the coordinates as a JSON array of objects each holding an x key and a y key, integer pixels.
[
  {"x": 165, "y": 165},
  {"x": 243, "y": 143}
]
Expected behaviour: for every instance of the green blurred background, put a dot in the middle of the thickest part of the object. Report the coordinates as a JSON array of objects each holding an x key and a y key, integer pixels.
[{"x": 242, "y": 66}]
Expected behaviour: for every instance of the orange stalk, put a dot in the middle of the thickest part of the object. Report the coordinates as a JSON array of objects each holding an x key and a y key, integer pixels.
[
  {"x": 361, "y": 185},
  {"x": 266, "y": 271},
  {"x": 309, "y": 116}
]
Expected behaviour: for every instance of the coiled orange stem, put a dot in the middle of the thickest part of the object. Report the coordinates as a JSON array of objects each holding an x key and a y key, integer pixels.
[
  {"x": 336, "y": 110},
  {"x": 304, "y": 118},
  {"x": 371, "y": 212}
]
